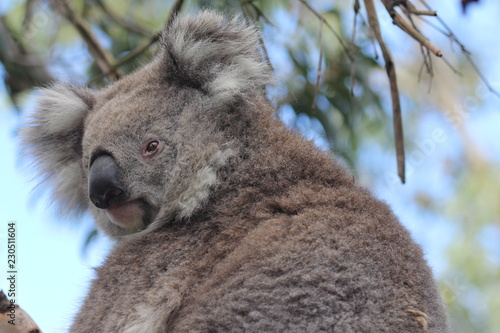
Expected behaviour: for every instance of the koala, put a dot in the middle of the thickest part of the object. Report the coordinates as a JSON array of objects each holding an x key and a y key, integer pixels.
[{"x": 224, "y": 220}]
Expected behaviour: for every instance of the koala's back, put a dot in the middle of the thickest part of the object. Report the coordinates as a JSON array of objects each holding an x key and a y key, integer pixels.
[
  {"x": 308, "y": 257},
  {"x": 322, "y": 270}
]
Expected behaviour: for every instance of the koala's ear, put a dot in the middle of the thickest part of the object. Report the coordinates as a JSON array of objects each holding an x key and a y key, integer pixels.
[
  {"x": 52, "y": 138},
  {"x": 220, "y": 57}
]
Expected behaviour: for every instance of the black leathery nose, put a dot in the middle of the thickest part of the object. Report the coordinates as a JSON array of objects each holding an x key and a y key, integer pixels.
[{"x": 105, "y": 188}]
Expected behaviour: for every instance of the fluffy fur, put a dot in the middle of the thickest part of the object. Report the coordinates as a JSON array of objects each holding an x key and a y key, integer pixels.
[
  {"x": 215, "y": 56},
  {"x": 58, "y": 126},
  {"x": 245, "y": 226}
]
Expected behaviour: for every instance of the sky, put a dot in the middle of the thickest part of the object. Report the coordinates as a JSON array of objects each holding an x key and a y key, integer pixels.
[{"x": 53, "y": 273}]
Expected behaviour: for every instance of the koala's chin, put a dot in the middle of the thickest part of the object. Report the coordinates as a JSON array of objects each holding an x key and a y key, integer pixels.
[{"x": 129, "y": 216}]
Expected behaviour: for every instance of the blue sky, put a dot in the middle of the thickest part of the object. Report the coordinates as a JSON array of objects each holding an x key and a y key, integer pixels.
[{"x": 53, "y": 275}]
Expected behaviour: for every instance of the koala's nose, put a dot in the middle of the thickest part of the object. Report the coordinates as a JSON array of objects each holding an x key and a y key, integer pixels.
[{"x": 105, "y": 188}]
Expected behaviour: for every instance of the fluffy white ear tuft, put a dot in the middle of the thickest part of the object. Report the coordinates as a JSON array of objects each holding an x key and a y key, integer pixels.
[
  {"x": 220, "y": 57},
  {"x": 52, "y": 139},
  {"x": 61, "y": 109}
]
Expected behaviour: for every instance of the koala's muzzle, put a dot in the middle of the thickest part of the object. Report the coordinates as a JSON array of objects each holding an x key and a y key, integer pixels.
[{"x": 105, "y": 187}]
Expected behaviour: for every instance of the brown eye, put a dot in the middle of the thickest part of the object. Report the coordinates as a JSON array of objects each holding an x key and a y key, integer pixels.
[{"x": 150, "y": 148}]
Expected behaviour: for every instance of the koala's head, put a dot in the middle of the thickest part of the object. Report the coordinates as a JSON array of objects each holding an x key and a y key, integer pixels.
[{"x": 146, "y": 150}]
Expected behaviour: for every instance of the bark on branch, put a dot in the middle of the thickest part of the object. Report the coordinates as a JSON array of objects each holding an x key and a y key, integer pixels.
[
  {"x": 390, "y": 5},
  {"x": 391, "y": 73}
]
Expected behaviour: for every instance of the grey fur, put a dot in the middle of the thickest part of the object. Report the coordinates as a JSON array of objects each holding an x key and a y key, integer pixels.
[{"x": 236, "y": 224}]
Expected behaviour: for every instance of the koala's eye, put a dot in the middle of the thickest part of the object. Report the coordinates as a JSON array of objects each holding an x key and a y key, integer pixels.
[{"x": 150, "y": 148}]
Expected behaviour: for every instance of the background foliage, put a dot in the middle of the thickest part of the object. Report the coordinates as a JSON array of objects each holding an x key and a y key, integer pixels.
[{"x": 453, "y": 176}]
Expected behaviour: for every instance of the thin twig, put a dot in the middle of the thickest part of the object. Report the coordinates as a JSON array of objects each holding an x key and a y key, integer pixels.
[
  {"x": 128, "y": 57},
  {"x": 369, "y": 33},
  {"x": 435, "y": 27},
  {"x": 455, "y": 71},
  {"x": 401, "y": 23},
  {"x": 412, "y": 9},
  {"x": 412, "y": 32},
  {"x": 466, "y": 52},
  {"x": 408, "y": 10},
  {"x": 391, "y": 72},
  {"x": 319, "y": 16},
  {"x": 103, "y": 58},
  {"x": 353, "y": 50},
  {"x": 260, "y": 13},
  {"x": 261, "y": 41},
  {"x": 129, "y": 25},
  {"x": 28, "y": 14},
  {"x": 478, "y": 71},
  {"x": 320, "y": 63},
  {"x": 432, "y": 25},
  {"x": 139, "y": 50}
]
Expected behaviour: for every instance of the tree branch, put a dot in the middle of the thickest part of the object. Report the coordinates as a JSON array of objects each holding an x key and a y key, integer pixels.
[
  {"x": 352, "y": 66},
  {"x": 129, "y": 25},
  {"x": 24, "y": 69},
  {"x": 448, "y": 32},
  {"x": 139, "y": 50},
  {"x": 391, "y": 72},
  {"x": 411, "y": 31},
  {"x": 28, "y": 14},
  {"x": 319, "y": 16},
  {"x": 128, "y": 57},
  {"x": 174, "y": 11},
  {"x": 103, "y": 58},
  {"x": 260, "y": 14},
  {"x": 320, "y": 63}
]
